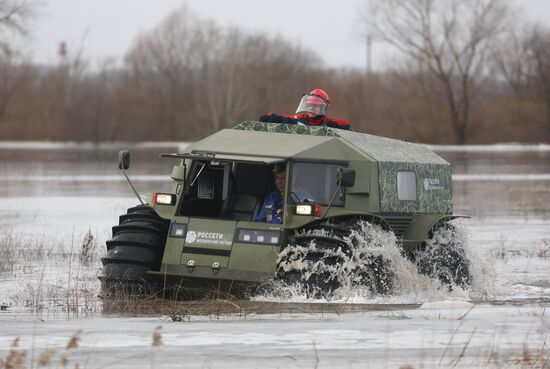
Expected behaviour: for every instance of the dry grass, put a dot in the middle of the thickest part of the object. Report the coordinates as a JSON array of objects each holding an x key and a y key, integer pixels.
[
  {"x": 179, "y": 303},
  {"x": 157, "y": 337},
  {"x": 505, "y": 252},
  {"x": 396, "y": 315},
  {"x": 7, "y": 253},
  {"x": 496, "y": 358},
  {"x": 73, "y": 341},
  {"x": 61, "y": 278},
  {"x": 178, "y": 311},
  {"x": 526, "y": 357},
  {"x": 15, "y": 358},
  {"x": 51, "y": 277},
  {"x": 45, "y": 358},
  {"x": 87, "y": 250}
]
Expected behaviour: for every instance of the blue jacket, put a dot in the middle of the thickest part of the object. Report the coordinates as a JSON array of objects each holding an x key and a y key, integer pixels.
[{"x": 272, "y": 204}]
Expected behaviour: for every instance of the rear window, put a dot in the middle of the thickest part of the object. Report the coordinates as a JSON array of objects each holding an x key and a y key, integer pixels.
[
  {"x": 314, "y": 183},
  {"x": 406, "y": 185}
]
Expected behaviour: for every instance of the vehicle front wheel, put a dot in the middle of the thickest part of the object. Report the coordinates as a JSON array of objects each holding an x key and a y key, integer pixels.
[{"x": 136, "y": 247}]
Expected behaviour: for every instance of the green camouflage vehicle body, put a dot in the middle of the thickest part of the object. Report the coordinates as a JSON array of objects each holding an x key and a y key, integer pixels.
[{"x": 404, "y": 187}]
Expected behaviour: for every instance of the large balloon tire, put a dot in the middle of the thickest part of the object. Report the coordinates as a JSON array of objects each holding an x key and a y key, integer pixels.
[
  {"x": 445, "y": 261},
  {"x": 330, "y": 240},
  {"x": 136, "y": 247}
]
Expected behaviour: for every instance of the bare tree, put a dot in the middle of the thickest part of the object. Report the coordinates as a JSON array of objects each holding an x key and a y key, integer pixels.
[
  {"x": 193, "y": 77},
  {"x": 522, "y": 59},
  {"x": 510, "y": 61},
  {"x": 13, "y": 70},
  {"x": 448, "y": 41},
  {"x": 248, "y": 76},
  {"x": 538, "y": 47},
  {"x": 14, "y": 17},
  {"x": 161, "y": 68}
]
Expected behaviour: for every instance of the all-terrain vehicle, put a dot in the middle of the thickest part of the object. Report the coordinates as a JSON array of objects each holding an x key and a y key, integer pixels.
[{"x": 203, "y": 234}]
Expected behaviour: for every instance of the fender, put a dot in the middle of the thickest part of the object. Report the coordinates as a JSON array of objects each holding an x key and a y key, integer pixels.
[
  {"x": 423, "y": 224},
  {"x": 374, "y": 218}
]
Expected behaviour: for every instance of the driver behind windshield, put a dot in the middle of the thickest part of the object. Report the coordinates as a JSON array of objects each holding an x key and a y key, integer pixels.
[{"x": 272, "y": 208}]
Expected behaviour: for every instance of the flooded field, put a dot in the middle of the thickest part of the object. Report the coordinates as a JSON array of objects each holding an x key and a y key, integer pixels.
[
  {"x": 53, "y": 195},
  {"x": 59, "y": 192}
]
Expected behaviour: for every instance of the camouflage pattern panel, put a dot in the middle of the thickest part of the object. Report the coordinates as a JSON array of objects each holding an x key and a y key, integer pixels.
[
  {"x": 387, "y": 149},
  {"x": 433, "y": 188},
  {"x": 286, "y": 128}
]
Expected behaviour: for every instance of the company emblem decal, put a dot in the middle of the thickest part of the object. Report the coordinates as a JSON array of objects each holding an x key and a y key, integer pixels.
[
  {"x": 211, "y": 238},
  {"x": 432, "y": 184},
  {"x": 191, "y": 237}
]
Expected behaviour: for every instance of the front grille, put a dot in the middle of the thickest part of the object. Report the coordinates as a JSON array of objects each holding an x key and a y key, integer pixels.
[{"x": 399, "y": 223}]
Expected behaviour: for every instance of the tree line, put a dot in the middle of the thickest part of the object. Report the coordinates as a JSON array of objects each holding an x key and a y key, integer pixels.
[{"x": 466, "y": 71}]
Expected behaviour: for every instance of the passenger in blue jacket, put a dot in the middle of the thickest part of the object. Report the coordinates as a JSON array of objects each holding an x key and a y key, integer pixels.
[{"x": 272, "y": 208}]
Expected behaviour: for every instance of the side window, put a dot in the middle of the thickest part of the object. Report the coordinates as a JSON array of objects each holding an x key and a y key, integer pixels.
[
  {"x": 406, "y": 185},
  {"x": 314, "y": 183}
]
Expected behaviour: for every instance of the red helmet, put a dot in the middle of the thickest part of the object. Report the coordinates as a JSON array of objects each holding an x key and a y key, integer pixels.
[
  {"x": 321, "y": 93},
  {"x": 314, "y": 102}
]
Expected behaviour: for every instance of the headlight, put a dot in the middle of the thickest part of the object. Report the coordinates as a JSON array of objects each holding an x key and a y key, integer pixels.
[
  {"x": 163, "y": 198},
  {"x": 304, "y": 210}
]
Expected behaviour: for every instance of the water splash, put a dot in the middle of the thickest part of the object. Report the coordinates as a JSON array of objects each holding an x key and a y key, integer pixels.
[
  {"x": 353, "y": 272},
  {"x": 483, "y": 286}
]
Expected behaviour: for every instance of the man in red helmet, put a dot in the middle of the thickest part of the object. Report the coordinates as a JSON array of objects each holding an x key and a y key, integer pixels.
[{"x": 311, "y": 111}]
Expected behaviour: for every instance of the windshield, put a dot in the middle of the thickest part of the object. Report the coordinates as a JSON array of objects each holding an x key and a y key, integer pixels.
[
  {"x": 226, "y": 189},
  {"x": 314, "y": 183}
]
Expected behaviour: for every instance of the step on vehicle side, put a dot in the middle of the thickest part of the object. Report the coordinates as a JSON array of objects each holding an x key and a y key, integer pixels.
[{"x": 202, "y": 235}]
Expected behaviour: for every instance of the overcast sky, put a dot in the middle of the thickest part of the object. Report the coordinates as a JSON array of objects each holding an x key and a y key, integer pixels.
[{"x": 107, "y": 28}]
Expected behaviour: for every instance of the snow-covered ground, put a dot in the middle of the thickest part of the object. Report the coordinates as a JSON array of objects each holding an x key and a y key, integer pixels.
[{"x": 48, "y": 285}]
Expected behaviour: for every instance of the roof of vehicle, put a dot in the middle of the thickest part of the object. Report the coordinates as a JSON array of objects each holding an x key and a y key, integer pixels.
[
  {"x": 250, "y": 144},
  {"x": 376, "y": 147},
  {"x": 283, "y": 141}
]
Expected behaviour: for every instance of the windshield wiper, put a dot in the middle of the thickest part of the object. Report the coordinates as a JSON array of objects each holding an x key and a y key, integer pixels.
[{"x": 198, "y": 174}]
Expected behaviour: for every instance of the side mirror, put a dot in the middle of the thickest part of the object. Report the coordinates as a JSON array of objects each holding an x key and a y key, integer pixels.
[
  {"x": 124, "y": 159},
  {"x": 346, "y": 177}
]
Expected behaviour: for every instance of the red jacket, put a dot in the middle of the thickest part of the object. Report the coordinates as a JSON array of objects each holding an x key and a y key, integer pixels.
[{"x": 305, "y": 119}]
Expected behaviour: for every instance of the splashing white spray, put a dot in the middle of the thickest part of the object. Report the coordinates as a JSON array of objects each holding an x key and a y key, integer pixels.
[{"x": 375, "y": 264}]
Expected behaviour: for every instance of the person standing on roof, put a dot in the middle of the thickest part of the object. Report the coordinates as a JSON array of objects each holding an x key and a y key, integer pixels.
[{"x": 311, "y": 111}]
